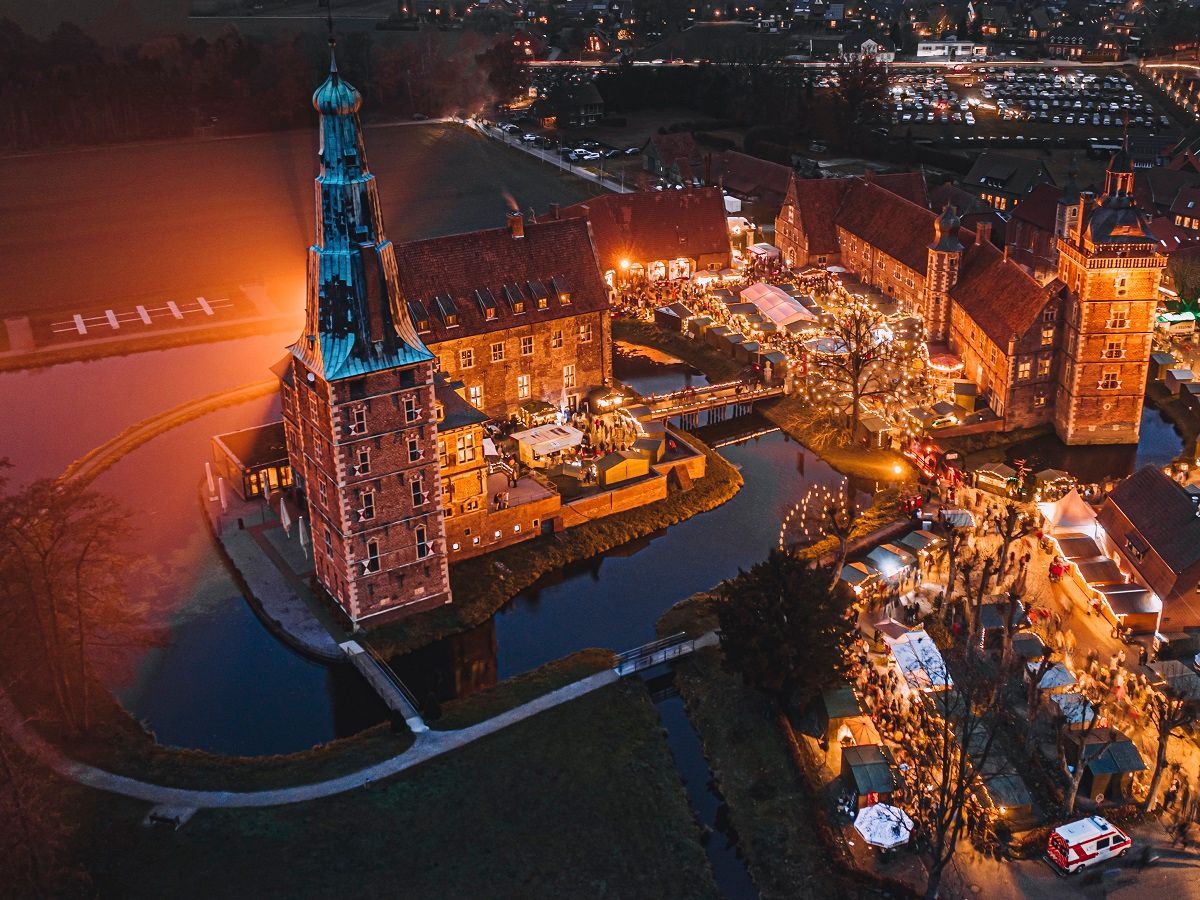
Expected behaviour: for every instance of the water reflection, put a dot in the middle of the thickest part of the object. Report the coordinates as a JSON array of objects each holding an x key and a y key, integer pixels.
[{"x": 457, "y": 666}]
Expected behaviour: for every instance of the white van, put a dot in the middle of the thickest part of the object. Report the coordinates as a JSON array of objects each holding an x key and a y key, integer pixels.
[{"x": 1086, "y": 842}]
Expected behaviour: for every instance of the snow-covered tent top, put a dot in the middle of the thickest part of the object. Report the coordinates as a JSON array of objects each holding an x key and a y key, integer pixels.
[
  {"x": 777, "y": 304},
  {"x": 919, "y": 661},
  {"x": 1055, "y": 678},
  {"x": 1069, "y": 513}
]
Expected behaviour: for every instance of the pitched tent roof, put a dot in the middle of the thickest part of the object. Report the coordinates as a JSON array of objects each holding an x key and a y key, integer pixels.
[
  {"x": 1069, "y": 511},
  {"x": 654, "y": 225},
  {"x": 441, "y": 276},
  {"x": 776, "y": 304}
]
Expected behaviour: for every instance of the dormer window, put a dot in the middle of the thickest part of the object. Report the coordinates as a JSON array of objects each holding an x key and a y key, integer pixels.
[
  {"x": 487, "y": 303},
  {"x": 514, "y": 298},
  {"x": 538, "y": 292},
  {"x": 447, "y": 310},
  {"x": 419, "y": 314},
  {"x": 559, "y": 283}
]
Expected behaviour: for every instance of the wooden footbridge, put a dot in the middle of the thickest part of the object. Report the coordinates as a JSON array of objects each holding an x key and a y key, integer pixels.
[{"x": 717, "y": 401}]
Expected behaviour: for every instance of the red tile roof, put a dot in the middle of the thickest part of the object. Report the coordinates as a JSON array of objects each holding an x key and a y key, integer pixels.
[
  {"x": 818, "y": 200},
  {"x": 896, "y": 226},
  {"x": 998, "y": 294},
  {"x": 1039, "y": 207},
  {"x": 457, "y": 266},
  {"x": 655, "y": 225},
  {"x": 1187, "y": 202},
  {"x": 750, "y": 176}
]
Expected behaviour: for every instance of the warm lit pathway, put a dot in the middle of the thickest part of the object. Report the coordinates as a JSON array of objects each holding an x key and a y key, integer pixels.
[{"x": 427, "y": 745}]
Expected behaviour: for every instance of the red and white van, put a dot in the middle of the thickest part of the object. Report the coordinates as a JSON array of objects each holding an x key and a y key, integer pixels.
[{"x": 1086, "y": 842}]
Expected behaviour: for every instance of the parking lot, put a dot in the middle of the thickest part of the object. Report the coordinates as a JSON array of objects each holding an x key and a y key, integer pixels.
[{"x": 1028, "y": 106}]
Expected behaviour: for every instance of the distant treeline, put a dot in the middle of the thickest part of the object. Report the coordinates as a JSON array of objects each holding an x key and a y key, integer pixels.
[{"x": 69, "y": 90}]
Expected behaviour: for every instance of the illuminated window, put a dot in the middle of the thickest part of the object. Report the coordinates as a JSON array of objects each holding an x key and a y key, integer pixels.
[
  {"x": 443, "y": 459},
  {"x": 556, "y": 340},
  {"x": 475, "y": 395},
  {"x": 585, "y": 333},
  {"x": 1047, "y": 335},
  {"x": 498, "y": 351},
  {"x": 523, "y": 387},
  {"x": 1039, "y": 399},
  {"x": 466, "y": 358},
  {"x": 527, "y": 345},
  {"x": 1024, "y": 368},
  {"x": 569, "y": 376},
  {"x": 1043, "y": 367}
]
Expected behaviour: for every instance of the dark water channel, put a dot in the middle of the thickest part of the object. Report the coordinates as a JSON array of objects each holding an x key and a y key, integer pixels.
[{"x": 707, "y": 805}]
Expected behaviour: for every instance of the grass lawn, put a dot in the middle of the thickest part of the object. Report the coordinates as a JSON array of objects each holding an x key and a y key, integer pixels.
[
  {"x": 512, "y": 692},
  {"x": 580, "y": 801}
]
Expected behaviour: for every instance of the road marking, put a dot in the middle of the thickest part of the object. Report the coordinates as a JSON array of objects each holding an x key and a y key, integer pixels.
[
  {"x": 112, "y": 319},
  {"x": 79, "y": 326},
  {"x": 204, "y": 306},
  {"x": 174, "y": 309},
  {"x": 141, "y": 311}
]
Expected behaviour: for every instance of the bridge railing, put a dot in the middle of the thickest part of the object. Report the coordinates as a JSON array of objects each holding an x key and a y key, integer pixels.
[{"x": 654, "y": 653}]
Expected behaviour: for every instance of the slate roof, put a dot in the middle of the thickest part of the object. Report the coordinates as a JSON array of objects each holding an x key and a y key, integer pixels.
[
  {"x": 1001, "y": 171},
  {"x": 457, "y": 412},
  {"x": 654, "y": 225},
  {"x": 896, "y": 226},
  {"x": 998, "y": 294},
  {"x": 1163, "y": 514},
  {"x": 257, "y": 447},
  {"x": 440, "y": 277}
]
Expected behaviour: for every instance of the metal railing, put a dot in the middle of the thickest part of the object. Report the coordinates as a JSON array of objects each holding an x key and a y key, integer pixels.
[{"x": 654, "y": 653}]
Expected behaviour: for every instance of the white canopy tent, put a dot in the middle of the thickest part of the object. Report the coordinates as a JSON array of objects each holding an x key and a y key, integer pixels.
[
  {"x": 883, "y": 825},
  {"x": 540, "y": 442},
  {"x": 764, "y": 250},
  {"x": 1070, "y": 513},
  {"x": 777, "y": 304},
  {"x": 919, "y": 661}
]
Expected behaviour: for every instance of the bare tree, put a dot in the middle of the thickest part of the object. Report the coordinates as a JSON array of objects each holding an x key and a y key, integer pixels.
[
  {"x": 63, "y": 574},
  {"x": 956, "y": 743},
  {"x": 1093, "y": 705},
  {"x": 1168, "y": 708},
  {"x": 1014, "y": 525},
  {"x": 822, "y": 512},
  {"x": 865, "y": 362}
]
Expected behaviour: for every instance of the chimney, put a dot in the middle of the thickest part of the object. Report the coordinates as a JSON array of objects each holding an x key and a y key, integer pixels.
[
  {"x": 516, "y": 224},
  {"x": 983, "y": 232},
  {"x": 554, "y": 211}
]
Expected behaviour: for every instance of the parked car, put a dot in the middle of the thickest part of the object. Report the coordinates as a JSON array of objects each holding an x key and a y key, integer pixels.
[{"x": 1084, "y": 843}]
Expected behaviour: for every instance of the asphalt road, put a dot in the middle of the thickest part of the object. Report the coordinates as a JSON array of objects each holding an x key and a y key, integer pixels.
[{"x": 86, "y": 229}]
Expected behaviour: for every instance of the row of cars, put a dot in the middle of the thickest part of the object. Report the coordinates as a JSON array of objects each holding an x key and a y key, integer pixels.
[
  {"x": 583, "y": 151},
  {"x": 1099, "y": 101}
]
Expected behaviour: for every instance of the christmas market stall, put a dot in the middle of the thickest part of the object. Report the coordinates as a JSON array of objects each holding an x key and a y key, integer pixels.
[
  {"x": 1010, "y": 797},
  {"x": 620, "y": 466},
  {"x": 919, "y": 661},
  {"x": 673, "y": 317},
  {"x": 1052, "y": 484},
  {"x": 866, "y": 770},
  {"x": 1112, "y": 761},
  {"x": 1069, "y": 513},
  {"x": 545, "y": 445},
  {"x": 996, "y": 478}
]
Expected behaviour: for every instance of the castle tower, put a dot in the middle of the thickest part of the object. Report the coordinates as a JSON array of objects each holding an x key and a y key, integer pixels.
[
  {"x": 945, "y": 257},
  {"x": 1066, "y": 211},
  {"x": 1110, "y": 264},
  {"x": 358, "y": 396}
]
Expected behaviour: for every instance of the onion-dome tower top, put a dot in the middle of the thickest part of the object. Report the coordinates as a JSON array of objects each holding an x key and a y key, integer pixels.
[
  {"x": 945, "y": 231},
  {"x": 336, "y": 96}
]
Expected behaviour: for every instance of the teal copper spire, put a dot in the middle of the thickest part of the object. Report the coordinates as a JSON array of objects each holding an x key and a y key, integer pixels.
[{"x": 355, "y": 321}]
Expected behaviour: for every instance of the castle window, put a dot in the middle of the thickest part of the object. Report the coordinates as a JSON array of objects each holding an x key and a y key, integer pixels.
[
  {"x": 358, "y": 420},
  {"x": 1114, "y": 348},
  {"x": 585, "y": 333},
  {"x": 410, "y": 409},
  {"x": 1043, "y": 367},
  {"x": 1118, "y": 316},
  {"x": 466, "y": 358},
  {"x": 475, "y": 395},
  {"x": 371, "y": 563},
  {"x": 424, "y": 548},
  {"x": 322, "y": 492},
  {"x": 443, "y": 460},
  {"x": 414, "y": 450},
  {"x": 1024, "y": 367},
  {"x": 527, "y": 345},
  {"x": 465, "y": 448},
  {"x": 498, "y": 351},
  {"x": 523, "y": 387},
  {"x": 418, "y": 491},
  {"x": 1110, "y": 380},
  {"x": 1047, "y": 335},
  {"x": 1049, "y": 314},
  {"x": 556, "y": 340},
  {"x": 366, "y": 512},
  {"x": 569, "y": 376},
  {"x": 1039, "y": 399},
  {"x": 328, "y": 544},
  {"x": 363, "y": 466}
]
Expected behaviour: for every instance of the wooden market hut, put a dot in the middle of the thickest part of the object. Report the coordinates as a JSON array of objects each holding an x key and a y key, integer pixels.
[
  {"x": 1159, "y": 363},
  {"x": 996, "y": 477},
  {"x": 1112, "y": 761},
  {"x": 621, "y": 466},
  {"x": 1010, "y": 796},
  {"x": 672, "y": 317},
  {"x": 867, "y": 771}
]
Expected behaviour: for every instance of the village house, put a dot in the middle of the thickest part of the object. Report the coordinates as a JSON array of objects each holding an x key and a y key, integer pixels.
[
  {"x": 655, "y": 235},
  {"x": 1152, "y": 526},
  {"x": 674, "y": 158},
  {"x": 1002, "y": 180},
  {"x": 515, "y": 313},
  {"x": 761, "y": 185}
]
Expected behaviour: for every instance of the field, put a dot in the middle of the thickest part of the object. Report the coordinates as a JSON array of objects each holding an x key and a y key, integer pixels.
[
  {"x": 582, "y": 800},
  {"x": 166, "y": 221}
]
